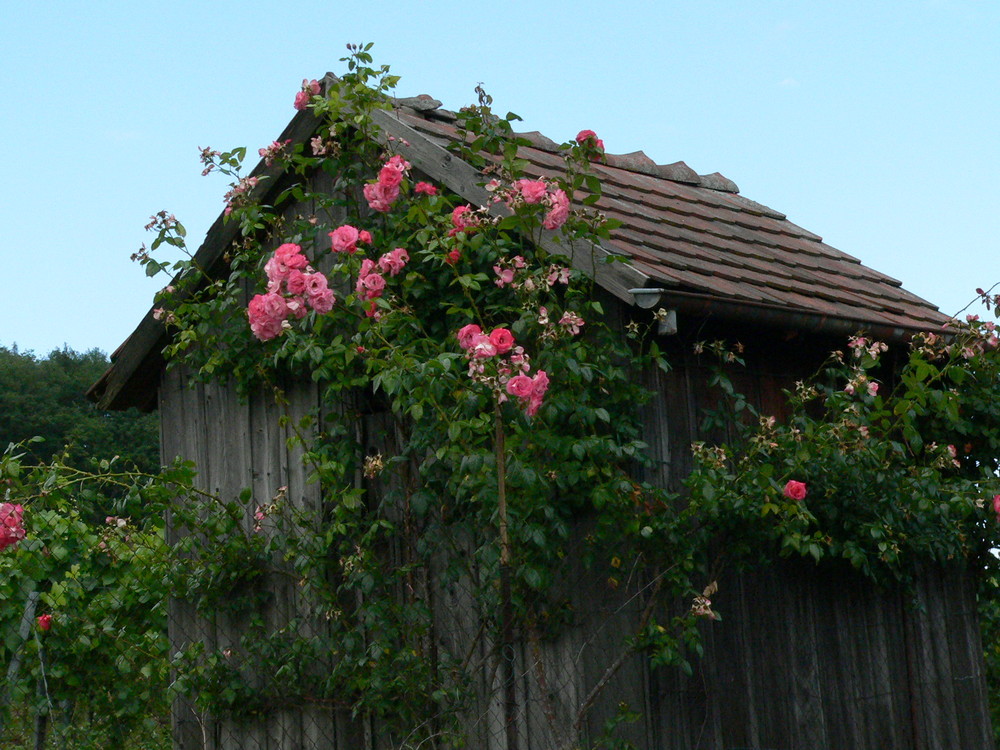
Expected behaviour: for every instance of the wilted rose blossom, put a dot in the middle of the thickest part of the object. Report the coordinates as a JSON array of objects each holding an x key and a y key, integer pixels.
[
  {"x": 504, "y": 276},
  {"x": 463, "y": 219},
  {"x": 557, "y": 275},
  {"x": 483, "y": 347},
  {"x": 11, "y": 524},
  {"x": 571, "y": 322},
  {"x": 795, "y": 490},
  {"x": 394, "y": 261},
  {"x": 269, "y": 153}
]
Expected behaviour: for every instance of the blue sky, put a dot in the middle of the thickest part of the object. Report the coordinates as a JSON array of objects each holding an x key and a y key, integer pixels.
[{"x": 872, "y": 124}]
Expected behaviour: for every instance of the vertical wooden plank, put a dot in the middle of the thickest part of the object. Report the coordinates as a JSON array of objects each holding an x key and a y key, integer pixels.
[
  {"x": 807, "y": 699},
  {"x": 180, "y": 626},
  {"x": 938, "y": 726},
  {"x": 971, "y": 697}
]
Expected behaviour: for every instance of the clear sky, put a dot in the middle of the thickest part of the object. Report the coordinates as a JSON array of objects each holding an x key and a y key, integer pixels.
[{"x": 872, "y": 124}]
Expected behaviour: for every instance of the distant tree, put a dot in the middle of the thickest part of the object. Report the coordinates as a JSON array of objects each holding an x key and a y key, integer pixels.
[{"x": 47, "y": 397}]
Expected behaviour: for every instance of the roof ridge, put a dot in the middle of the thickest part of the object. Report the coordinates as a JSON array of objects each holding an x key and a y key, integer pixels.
[{"x": 424, "y": 105}]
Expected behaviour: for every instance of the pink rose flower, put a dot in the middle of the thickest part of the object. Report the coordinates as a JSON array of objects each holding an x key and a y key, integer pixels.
[
  {"x": 315, "y": 283},
  {"x": 44, "y": 622},
  {"x": 795, "y": 490},
  {"x": 374, "y": 284},
  {"x": 296, "y": 282},
  {"x": 425, "y": 188},
  {"x": 291, "y": 255},
  {"x": 589, "y": 138},
  {"x": 539, "y": 387},
  {"x": 266, "y": 312},
  {"x": 502, "y": 340},
  {"x": 996, "y": 506},
  {"x": 11, "y": 525},
  {"x": 467, "y": 334},
  {"x": 365, "y": 236},
  {"x": 531, "y": 191},
  {"x": 558, "y": 211},
  {"x": 453, "y": 256},
  {"x": 390, "y": 176},
  {"x": 322, "y": 302},
  {"x": 521, "y": 386},
  {"x": 344, "y": 239},
  {"x": 309, "y": 89},
  {"x": 380, "y": 196}
]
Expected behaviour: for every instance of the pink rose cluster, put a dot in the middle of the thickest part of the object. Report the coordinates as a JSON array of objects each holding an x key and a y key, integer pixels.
[
  {"x": 535, "y": 192},
  {"x": 309, "y": 90},
  {"x": 512, "y": 372},
  {"x": 382, "y": 193},
  {"x": 11, "y": 525},
  {"x": 371, "y": 282},
  {"x": 293, "y": 287}
]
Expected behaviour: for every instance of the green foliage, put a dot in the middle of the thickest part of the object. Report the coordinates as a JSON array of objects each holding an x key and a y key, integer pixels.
[
  {"x": 102, "y": 664},
  {"x": 896, "y": 475},
  {"x": 47, "y": 398}
]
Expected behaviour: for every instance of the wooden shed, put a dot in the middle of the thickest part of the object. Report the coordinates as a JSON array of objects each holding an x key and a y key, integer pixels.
[{"x": 838, "y": 664}]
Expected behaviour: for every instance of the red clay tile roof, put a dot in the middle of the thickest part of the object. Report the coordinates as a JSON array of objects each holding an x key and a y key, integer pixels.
[
  {"x": 698, "y": 238},
  {"x": 706, "y": 248}
]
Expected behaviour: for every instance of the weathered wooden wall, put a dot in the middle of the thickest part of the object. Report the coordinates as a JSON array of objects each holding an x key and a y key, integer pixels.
[
  {"x": 819, "y": 658},
  {"x": 804, "y": 657}
]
